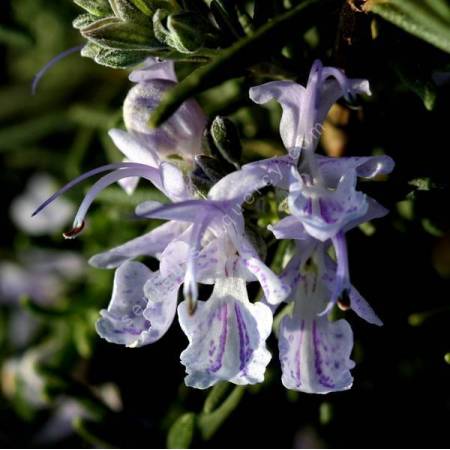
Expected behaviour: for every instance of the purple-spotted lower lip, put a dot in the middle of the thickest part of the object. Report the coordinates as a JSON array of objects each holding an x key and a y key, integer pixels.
[{"x": 323, "y": 379}]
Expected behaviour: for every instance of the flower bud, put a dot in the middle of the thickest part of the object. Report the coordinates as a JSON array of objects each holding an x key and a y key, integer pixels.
[{"x": 225, "y": 137}]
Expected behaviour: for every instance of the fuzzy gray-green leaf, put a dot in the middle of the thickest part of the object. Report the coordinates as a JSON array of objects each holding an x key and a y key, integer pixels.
[
  {"x": 98, "y": 8},
  {"x": 116, "y": 34},
  {"x": 84, "y": 20},
  {"x": 117, "y": 59}
]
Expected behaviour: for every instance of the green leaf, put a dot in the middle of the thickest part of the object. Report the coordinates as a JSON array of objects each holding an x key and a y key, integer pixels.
[
  {"x": 125, "y": 10},
  {"x": 226, "y": 17},
  {"x": 97, "y": 8},
  {"x": 232, "y": 61},
  {"x": 210, "y": 423},
  {"x": 181, "y": 432},
  {"x": 116, "y": 59},
  {"x": 84, "y": 20},
  {"x": 189, "y": 31},
  {"x": 144, "y": 6},
  {"x": 115, "y": 34},
  {"x": 427, "y": 19}
]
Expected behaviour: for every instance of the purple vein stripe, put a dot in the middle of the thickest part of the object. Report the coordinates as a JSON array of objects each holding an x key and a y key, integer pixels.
[
  {"x": 245, "y": 351},
  {"x": 223, "y": 339}
]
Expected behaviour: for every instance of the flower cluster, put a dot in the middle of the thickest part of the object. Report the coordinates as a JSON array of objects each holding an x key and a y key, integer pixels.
[{"x": 206, "y": 239}]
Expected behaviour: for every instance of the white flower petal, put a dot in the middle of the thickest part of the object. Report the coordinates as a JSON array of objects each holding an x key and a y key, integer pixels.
[
  {"x": 134, "y": 148},
  {"x": 288, "y": 228},
  {"x": 359, "y": 304},
  {"x": 315, "y": 354},
  {"x": 174, "y": 184},
  {"x": 332, "y": 169},
  {"x": 240, "y": 185},
  {"x": 275, "y": 290},
  {"x": 324, "y": 213},
  {"x": 150, "y": 244},
  {"x": 153, "y": 69},
  {"x": 289, "y": 95},
  {"x": 227, "y": 337},
  {"x": 124, "y": 322}
]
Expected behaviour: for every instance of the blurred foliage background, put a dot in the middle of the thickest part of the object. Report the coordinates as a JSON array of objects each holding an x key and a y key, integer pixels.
[{"x": 61, "y": 386}]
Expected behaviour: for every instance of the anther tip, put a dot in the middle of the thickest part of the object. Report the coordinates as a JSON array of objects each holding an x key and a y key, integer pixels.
[
  {"x": 192, "y": 305},
  {"x": 74, "y": 232},
  {"x": 344, "y": 302}
]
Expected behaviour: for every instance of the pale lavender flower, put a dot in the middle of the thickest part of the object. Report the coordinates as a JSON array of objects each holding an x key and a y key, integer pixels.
[
  {"x": 314, "y": 351},
  {"x": 204, "y": 241},
  {"x": 305, "y": 108},
  {"x": 145, "y": 151},
  {"x": 180, "y": 136},
  {"x": 322, "y": 192},
  {"x": 227, "y": 333}
]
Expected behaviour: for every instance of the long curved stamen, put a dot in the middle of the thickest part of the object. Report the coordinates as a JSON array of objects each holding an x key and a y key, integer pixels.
[
  {"x": 148, "y": 173},
  {"x": 38, "y": 77},
  {"x": 173, "y": 210},
  {"x": 85, "y": 176},
  {"x": 167, "y": 212}
]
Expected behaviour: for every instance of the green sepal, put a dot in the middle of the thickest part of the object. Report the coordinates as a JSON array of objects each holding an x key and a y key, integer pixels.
[
  {"x": 215, "y": 396},
  {"x": 226, "y": 140},
  {"x": 211, "y": 422},
  {"x": 211, "y": 167}
]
